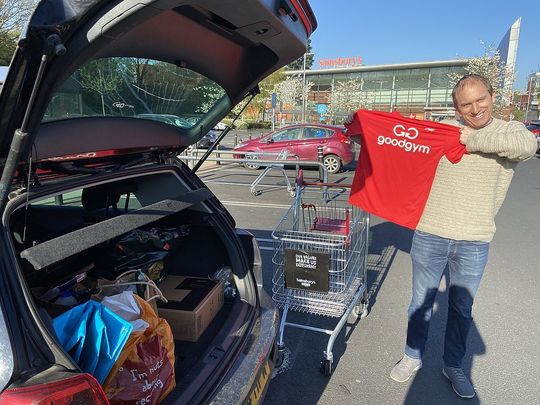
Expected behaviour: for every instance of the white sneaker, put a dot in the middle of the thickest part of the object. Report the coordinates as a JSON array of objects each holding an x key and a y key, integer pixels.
[{"x": 405, "y": 368}]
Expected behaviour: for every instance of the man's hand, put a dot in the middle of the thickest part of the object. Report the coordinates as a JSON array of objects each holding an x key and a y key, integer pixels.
[{"x": 465, "y": 133}]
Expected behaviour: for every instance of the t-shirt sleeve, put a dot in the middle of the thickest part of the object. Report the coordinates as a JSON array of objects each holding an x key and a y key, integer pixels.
[
  {"x": 455, "y": 153},
  {"x": 454, "y": 150},
  {"x": 354, "y": 128}
]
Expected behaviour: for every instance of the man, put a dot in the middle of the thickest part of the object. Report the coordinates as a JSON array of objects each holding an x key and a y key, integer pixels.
[{"x": 457, "y": 225}]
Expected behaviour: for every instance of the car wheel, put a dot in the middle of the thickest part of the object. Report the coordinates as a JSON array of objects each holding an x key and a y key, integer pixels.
[
  {"x": 332, "y": 163},
  {"x": 249, "y": 165}
]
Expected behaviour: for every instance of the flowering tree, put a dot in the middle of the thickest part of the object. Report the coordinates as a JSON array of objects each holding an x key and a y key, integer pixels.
[
  {"x": 292, "y": 90},
  {"x": 500, "y": 75},
  {"x": 346, "y": 97},
  {"x": 289, "y": 90}
]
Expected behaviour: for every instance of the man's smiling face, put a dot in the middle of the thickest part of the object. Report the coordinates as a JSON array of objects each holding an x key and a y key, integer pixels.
[{"x": 474, "y": 103}]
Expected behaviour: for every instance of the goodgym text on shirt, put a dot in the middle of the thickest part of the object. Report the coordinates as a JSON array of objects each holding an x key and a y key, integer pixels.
[
  {"x": 397, "y": 163},
  {"x": 406, "y": 135}
]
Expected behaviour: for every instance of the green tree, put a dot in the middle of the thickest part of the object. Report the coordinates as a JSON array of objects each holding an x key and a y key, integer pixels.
[
  {"x": 267, "y": 86},
  {"x": 298, "y": 64},
  {"x": 13, "y": 16},
  {"x": 7, "y": 47}
]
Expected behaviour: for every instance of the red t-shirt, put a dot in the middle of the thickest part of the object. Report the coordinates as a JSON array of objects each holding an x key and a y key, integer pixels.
[{"x": 397, "y": 164}]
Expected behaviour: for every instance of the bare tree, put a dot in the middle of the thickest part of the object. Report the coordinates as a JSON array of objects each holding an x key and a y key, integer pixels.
[
  {"x": 103, "y": 76},
  {"x": 13, "y": 16}
]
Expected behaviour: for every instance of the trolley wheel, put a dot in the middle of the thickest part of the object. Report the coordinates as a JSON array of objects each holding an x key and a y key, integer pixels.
[
  {"x": 326, "y": 367},
  {"x": 364, "y": 313},
  {"x": 353, "y": 317},
  {"x": 292, "y": 193},
  {"x": 359, "y": 311},
  {"x": 256, "y": 192},
  {"x": 279, "y": 358}
]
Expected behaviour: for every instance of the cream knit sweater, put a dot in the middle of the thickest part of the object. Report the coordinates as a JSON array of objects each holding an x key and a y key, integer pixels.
[{"x": 466, "y": 196}]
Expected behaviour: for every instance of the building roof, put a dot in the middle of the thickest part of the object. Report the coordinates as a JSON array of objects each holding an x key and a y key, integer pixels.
[{"x": 369, "y": 68}]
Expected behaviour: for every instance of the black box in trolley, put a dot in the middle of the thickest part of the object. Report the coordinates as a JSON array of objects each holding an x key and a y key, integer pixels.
[{"x": 320, "y": 258}]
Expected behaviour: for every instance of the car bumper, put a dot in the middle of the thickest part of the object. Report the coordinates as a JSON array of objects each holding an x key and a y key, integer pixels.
[{"x": 244, "y": 383}]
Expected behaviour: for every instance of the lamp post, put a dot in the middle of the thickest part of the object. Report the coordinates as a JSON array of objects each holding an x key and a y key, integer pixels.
[
  {"x": 529, "y": 89},
  {"x": 304, "y": 95}
]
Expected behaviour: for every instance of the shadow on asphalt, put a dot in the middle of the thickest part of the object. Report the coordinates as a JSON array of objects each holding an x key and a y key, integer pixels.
[
  {"x": 430, "y": 385},
  {"x": 386, "y": 239},
  {"x": 299, "y": 381}
]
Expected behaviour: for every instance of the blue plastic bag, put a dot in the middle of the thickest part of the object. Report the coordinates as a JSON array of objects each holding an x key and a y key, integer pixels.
[{"x": 93, "y": 335}]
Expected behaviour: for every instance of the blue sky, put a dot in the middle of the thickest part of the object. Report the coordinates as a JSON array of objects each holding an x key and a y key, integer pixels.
[{"x": 392, "y": 31}]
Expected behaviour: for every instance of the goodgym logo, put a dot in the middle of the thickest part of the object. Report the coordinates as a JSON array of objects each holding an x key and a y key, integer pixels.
[
  {"x": 410, "y": 133},
  {"x": 406, "y": 135}
]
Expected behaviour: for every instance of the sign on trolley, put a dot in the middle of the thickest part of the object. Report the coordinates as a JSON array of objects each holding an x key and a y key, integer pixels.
[{"x": 306, "y": 270}]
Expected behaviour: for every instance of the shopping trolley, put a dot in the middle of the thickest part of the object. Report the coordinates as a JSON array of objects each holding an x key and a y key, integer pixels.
[
  {"x": 319, "y": 261},
  {"x": 280, "y": 165}
]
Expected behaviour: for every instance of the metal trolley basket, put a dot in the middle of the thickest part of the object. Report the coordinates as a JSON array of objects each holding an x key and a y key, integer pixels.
[{"x": 319, "y": 261}]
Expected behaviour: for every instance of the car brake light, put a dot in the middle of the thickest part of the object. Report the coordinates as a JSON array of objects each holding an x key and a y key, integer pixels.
[
  {"x": 343, "y": 138},
  {"x": 81, "y": 389}
]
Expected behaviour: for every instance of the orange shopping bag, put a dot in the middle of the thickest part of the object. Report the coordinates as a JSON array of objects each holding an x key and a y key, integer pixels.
[{"x": 144, "y": 372}]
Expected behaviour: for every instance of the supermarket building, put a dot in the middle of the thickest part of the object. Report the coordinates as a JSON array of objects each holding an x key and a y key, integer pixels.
[{"x": 420, "y": 89}]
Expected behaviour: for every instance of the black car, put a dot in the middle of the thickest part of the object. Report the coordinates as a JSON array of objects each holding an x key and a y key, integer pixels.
[{"x": 84, "y": 182}]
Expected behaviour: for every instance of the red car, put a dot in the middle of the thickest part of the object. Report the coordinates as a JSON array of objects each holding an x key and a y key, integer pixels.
[
  {"x": 303, "y": 141},
  {"x": 534, "y": 127}
]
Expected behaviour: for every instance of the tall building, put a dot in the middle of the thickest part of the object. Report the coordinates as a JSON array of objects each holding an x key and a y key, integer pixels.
[{"x": 508, "y": 50}]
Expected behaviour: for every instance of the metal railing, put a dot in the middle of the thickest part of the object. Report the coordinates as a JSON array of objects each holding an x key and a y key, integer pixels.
[{"x": 323, "y": 171}]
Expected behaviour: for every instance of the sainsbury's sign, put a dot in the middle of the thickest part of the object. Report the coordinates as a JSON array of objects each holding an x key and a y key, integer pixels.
[{"x": 340, "y": 62}]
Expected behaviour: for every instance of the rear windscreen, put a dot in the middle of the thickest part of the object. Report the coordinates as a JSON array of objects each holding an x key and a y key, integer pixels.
[{"x": 132, "y": 87}]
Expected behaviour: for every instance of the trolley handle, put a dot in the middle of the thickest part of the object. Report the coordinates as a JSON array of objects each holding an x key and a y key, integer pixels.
[
  {"x": 321, "y": 184},
  {"x": 300, "y": 182}
]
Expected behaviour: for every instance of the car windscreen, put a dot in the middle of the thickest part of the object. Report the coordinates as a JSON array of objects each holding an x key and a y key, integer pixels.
[{"x": 134, "y": 87}]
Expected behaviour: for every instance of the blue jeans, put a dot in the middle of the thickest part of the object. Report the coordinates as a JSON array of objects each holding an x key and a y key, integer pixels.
[{"x": 466, "y": 262}]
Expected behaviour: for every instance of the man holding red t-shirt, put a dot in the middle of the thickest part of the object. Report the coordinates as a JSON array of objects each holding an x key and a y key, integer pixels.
[{"x": 456, "y": 223}]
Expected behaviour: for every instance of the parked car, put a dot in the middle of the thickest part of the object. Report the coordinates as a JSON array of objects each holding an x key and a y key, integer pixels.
[
  {"x": 167, "y": 119},
  {"x": 534, "y": 127},
  {"x": 220, "y": 126},
  {"x": 302, "y": 141},
  {"x": 79, "y": 177},
  {"x": 206, "y": 141}
]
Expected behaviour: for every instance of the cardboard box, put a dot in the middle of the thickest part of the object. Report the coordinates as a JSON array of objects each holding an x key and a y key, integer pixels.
[{"x": 193, "y": 304}]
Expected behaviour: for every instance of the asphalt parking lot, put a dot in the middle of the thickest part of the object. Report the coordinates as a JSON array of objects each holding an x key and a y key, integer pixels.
[{"x": 504, "y": 340}]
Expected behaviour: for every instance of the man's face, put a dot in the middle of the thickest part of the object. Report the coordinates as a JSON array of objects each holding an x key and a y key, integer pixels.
[{"x": 475, "y": 104}]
